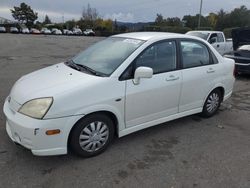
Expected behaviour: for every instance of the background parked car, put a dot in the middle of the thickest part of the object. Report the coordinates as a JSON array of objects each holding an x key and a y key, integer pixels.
[
  {"x": 25, "y": 31},
  {"x": 56, "y": 32},
  {"x": 2, "y": 30},
  {"x": 35, "y": 31},
  {"x": 53, "y": 30},
  {"x": 77, "y": 31},
  {"x": 14, "y": 30},
  {"x": 70, "y": 32},
  {"x": 89, "y": 32},
  {"x": 67, "y": 32},
  {"x": 241, "y": 53},
  {"x": 216, "y": 39},
  {"x": 45, "y": 31}
]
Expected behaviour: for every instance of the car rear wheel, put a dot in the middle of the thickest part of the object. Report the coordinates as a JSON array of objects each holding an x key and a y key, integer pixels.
[
  {"x": 212, "y": 103},
  {"x": 92, "y": 135}
]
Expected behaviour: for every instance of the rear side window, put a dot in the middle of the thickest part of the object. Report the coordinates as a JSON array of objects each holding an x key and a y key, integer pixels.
[
  {"x": 161, "y": 57},
  {"x": 194, "y": 54}
]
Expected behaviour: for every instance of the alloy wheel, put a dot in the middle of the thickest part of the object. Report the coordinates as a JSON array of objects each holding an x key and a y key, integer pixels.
[{"x": 213, "y": 102}]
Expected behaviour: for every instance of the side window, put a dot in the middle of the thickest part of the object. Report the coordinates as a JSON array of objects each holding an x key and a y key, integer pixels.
[
  {"x": 194, "y": 54},
  {"x": 213, "y": 38},
  {"x": 220, "y": 37},
  {"x": 161, "y": 57}
]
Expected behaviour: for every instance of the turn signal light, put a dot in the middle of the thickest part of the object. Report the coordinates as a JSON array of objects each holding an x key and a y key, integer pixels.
[{"x": 53, "y": 132}]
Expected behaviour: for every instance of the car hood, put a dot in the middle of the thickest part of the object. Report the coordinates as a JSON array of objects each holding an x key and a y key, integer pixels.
[
  {"x": 241, "y": 36},
  {"x": 48, "y": 82}
]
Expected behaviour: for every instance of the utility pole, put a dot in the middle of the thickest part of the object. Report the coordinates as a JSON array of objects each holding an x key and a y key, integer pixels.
[
  {"x": 199, "y": 23},
  {"x": 63, "y": 18}
]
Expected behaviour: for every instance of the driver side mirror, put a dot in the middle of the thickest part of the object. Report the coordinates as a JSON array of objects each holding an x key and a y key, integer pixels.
[{"x": 142, "y": 72}]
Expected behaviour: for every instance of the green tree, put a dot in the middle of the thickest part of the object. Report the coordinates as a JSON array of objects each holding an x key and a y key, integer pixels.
[
  {"x": 24, "y": 14},
  {"x": 89, "y": 16},
  {"x": 47, "y": 20},
  {"x": 115, "y": 25},
  {"x": 240, "y": 17},
  {"x": 175, "y": 21},
  {"x": 70, "y": 24},
  {"x": 222, "y": 21},
  {"x": 159, "y": 20},
  {"x": 212, "y": 19},
  {"x": 192, "y": 21}
]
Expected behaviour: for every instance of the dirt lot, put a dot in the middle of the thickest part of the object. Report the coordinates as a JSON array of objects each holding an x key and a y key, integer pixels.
[{"x": 187, "y": 153}]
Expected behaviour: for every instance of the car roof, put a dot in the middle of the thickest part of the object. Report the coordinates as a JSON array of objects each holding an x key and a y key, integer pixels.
[{"x": 152, "y": 35}]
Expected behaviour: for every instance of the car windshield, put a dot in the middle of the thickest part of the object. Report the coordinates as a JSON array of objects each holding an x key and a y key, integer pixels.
[
  {"x": 199, "y": 34},
  {"x": 106, "y": 56}
]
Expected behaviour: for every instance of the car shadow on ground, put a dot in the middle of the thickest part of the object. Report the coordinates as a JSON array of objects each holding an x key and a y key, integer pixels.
[
  {"x": 243, "y": 77},
  {"x": 170, "y": 128}
]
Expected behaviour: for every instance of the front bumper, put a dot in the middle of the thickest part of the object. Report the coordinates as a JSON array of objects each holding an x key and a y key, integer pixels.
[{"x": 31, "y": 133}]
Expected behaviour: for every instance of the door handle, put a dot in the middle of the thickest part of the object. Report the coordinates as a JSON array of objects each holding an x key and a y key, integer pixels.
[
  {"x": 210, "y": 70},
  {"x": 218, "y": 45},
  {"x": 172, "y": 78}
]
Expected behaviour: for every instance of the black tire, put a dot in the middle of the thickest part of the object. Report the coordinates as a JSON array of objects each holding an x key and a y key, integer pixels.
[
  {"x": 83, "y": 124},
  {"x": 211, "y": 108}
]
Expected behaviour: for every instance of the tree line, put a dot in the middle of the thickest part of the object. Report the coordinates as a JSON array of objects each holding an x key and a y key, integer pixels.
[
  {"x": 221, "y": 20},
  {"x": 90, "y": 19}
]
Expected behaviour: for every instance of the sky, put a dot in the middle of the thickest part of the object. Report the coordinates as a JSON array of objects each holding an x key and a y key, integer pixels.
[{"x": 121, "y": 10}]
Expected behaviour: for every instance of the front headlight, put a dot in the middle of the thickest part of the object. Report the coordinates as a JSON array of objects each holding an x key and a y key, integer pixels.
[{"x": 36, "y": 108}]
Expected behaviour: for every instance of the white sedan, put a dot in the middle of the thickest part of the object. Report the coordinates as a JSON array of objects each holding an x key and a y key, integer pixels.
[{"x": 120, "y": 85}]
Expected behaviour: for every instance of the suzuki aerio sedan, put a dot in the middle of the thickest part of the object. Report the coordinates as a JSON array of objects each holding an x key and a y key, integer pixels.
[{"x": 120, "y": 85}]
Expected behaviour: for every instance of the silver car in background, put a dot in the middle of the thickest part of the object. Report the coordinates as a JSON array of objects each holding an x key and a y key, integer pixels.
[
  {"x": 25, "y": 31},
  {"x": 14, "y": 30},
  {"x": 2, "y": 30}
]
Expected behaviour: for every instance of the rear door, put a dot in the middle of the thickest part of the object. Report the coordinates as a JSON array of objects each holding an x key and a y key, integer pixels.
[
  {"x": 200, "y": 70},
  {"x": 158, "y": 96}
]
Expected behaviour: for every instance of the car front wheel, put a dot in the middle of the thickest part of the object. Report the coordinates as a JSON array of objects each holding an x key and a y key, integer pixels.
[
  {"x": 212, "y": 103},
  {"x": 92, "y": 135}
]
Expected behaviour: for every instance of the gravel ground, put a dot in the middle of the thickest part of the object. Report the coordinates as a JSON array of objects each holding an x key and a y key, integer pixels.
[{"x": 186, "y": 153}]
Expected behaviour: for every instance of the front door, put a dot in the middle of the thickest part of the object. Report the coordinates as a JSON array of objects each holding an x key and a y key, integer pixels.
[{"x": 156, "y": 97}]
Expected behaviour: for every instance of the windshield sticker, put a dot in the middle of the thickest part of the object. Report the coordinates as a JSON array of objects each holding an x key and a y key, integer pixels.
[{"x": 132, "y": 41}]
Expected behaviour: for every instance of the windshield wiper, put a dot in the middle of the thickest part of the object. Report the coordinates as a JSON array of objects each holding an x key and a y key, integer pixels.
[
  {"x": 86, "y": 68},
  {"x": 71, "y": 64},
  {"x": 81, "y": 67}
]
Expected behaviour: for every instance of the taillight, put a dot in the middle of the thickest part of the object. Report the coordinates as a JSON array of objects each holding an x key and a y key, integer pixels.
[{"x": 234, "y": 72}]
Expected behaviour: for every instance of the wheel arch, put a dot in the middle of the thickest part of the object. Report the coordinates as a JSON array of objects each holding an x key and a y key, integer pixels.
[
  {"x": 108, "y": 113},
  {"x": 222, "y": 90}
]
